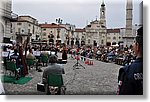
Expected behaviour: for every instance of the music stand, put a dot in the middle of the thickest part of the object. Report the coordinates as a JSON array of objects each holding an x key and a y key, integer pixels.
[{"x": 77, "y": 64}]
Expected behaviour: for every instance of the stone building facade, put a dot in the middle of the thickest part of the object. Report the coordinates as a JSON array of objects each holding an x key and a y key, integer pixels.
[{"x": 26, "y": 26}]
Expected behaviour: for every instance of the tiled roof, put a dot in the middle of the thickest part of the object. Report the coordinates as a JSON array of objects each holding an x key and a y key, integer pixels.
[
  {"x": 79, "y": 30},
  {"x": 53, "y": 25},
  {"x": 113, "y": 30},
  {"x": 28, "y": 16}
]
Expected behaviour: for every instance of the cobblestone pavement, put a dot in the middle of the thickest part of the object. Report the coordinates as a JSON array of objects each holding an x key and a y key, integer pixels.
[{"x": 97, "y": 79}]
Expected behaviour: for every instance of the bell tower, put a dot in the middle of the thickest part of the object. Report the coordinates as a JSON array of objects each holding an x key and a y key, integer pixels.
[
  {"x": 102, "y": 24},
  {"x": 103, "y": 15}
]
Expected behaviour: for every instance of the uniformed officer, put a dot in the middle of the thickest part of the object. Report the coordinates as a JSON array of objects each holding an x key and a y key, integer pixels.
[{"x": 130, "y": 77}]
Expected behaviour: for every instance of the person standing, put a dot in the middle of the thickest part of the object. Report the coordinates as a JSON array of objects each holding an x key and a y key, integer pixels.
[
  {"x": 64, "y": 53},
  {"x": 130, "y": 79}
]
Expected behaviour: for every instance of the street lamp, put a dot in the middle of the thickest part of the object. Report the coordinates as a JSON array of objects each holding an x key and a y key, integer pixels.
[
  {"x": 58, "y": 21},
  {"x": 51, "y": 36}
]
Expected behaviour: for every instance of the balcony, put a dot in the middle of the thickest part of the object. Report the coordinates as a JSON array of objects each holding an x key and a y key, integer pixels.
[
  {"x": 128, "y": 36},
  {"x": 23, "y": 34}
]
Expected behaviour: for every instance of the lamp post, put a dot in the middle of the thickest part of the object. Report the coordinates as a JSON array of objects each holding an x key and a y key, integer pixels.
[
  {"x": 67, "y": 39},
  {"x": 51, "y": 36},
  {"x": 58, "y": 21},
  {"x": 72, "y": 35}
]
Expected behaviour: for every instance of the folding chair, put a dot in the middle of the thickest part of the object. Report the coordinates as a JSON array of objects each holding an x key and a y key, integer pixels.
[
  {"x": 11, "y": 66},
  {"x": 55, "y": 84},
  {"x": 44, "y": 59},
  {"x": 31, "y": 62}
]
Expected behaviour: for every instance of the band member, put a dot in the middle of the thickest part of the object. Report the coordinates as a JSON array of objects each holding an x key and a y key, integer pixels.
[{"x": 64, "y": 53}]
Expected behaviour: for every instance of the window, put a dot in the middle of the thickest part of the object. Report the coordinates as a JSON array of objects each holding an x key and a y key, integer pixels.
[
  {"x": 89, "y": 41},
  {"x": 19, "y": 29},
  {"x": 28, "y": 30},
  {"x": 102, "y": 42},
  {"x": 102, "y": 12},
  {"x": 29, "y": 25},
  {"x": 44, "y": 29},
  {"x": 114, "y": 38},
  {"x": 44, "y": 34},
  {"x": 108, "y": 38},
  {"x": 19, "y": 23},
  {"x": 22, "y": 31},
  {"x": 44, "y": 39}
]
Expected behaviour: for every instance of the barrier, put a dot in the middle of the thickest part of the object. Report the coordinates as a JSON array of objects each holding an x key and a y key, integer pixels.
[
  {"x": 90, "y": 62},
  {"x": 85, "y": 60}
]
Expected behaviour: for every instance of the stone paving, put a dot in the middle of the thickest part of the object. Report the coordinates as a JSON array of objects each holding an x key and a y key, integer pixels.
[{"x": 97, "y": 79}]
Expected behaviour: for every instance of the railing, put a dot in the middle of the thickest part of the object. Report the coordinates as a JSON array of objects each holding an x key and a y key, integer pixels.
[{"x": 23, "y": 34}]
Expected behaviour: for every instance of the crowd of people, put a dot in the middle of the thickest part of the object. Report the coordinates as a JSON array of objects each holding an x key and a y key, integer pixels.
[
  {"x": 117, "y": 54},
  {"x": 107, "y": 53}
]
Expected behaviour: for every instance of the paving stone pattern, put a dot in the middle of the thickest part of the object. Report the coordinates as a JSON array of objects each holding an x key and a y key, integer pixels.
[{"x": 97, "y": 79}]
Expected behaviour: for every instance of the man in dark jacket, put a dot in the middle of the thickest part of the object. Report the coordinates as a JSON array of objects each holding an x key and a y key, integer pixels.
[{"x": 130, "y": 79}]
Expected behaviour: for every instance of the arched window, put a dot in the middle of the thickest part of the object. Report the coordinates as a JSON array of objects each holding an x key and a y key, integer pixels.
[
  {"x": 113, "y": 43},
  {"x": 89, "y": 41},
  {"x": 114, "y": 38},
  {"x": 102, "y": 42}
]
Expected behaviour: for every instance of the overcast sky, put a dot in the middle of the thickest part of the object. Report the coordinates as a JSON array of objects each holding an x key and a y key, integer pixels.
[{"x": 76, "y": 12}]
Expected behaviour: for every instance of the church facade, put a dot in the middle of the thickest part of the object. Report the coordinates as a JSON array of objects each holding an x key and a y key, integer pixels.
[{"x": 96, "y": 30}]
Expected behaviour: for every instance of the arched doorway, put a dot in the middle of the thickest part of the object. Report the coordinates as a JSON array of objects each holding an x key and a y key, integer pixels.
[
  {"x": 82, "y": 43},
  {"x": 108, "y": 43},
  {"x": 114, "y": 43}
]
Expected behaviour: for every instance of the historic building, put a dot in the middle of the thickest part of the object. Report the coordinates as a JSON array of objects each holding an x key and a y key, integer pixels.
[
  {"x": 26, "y": 26},
  {"x": 54, "y": 33},
  {"x": 80, "y": 36},
  {"x": 6, "y": 17},
  {"x": 114, "y": 37},
  {"x": 70, "y": 34},
  {"x": 96, "y": 30}
]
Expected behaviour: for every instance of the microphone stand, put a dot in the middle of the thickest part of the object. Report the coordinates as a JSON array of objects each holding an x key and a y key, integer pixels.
[{"x": 77, "y": 64}]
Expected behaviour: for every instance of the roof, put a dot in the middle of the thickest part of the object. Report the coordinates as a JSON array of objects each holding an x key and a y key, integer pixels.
[
  {"x": 28, "y": 16},
  {"x": 53, "y": 25},
  {"x": 79, "y": 30},
  {"x": 22, "y": 20},
  {"x": 113, "y": 30}
]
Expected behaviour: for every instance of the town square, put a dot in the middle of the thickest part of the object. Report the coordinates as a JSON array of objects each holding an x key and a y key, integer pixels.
[{"x": 43, "y": 57}]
